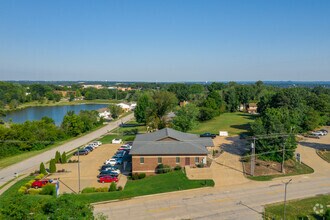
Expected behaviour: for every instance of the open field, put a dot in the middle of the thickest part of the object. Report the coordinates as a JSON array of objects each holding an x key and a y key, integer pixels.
[
  {"x": 235, "y": 123},
  {"x": 298, "y": 208}
]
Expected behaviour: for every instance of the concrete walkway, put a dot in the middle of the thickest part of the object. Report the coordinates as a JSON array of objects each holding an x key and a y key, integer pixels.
[
  {"x": 226, "y": 169},
  {"x": 31, "y": 164}
]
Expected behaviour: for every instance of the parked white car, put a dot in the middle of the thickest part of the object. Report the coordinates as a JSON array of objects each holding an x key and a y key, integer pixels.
[
  {"x": 93, "y": 145},
  {"x": 99, "y": 143},
  {"x": 113, "y": 169},
  {"x": 125, "y": 147},
  {"x": 117, "y": 141},
  {"x": 111, "y": 161},
  {"x": 318, "y": 133}
]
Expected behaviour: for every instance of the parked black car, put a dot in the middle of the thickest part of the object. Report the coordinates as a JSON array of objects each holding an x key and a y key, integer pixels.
[
  {"x": 107, "y": 173},
  {"x": 208, "y": 135},
  {"x": 81, "y": 152},
  {"x": 90, "y": 149}
]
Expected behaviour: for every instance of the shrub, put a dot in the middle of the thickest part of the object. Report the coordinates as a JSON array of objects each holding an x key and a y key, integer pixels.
[
  {"x": 57, "y": 157},
  {"x": 135, "y": 176},
  {"x": 142, "y": 175},
  {"x": 34, "y": 191},
  {"x": 102, "y": 189},
  {"x": 28, "y": 185},
  {"x": 177, "y": 167},
  {"x": 42, "y": 168},
  {"x": 88, "y": 190},
  {"x": 48, "y": 189},
  {"x": 200, "y": 165},
  {"x": 52, "y": 166},
  {"x": 39, "y": 177},
  {"x": 120, "y": 188},
  {"x": 161, "y": 168},
  {"x": 327, "y": 214},
  {"x": 113, "y": 187},
  {"x": 64, "y": 157},
  {"x": 22, "y": 190},
  {"x": 133, "y": 131}
]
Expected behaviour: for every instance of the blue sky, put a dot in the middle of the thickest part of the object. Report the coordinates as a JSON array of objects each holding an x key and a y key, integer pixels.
[{"x": 172, "y": 40}]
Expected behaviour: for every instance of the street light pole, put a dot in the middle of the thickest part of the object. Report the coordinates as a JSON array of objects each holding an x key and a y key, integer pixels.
[
  {"x": 284, "y": 208},
  {"x": 78, "y": 170},
  {"x": 253, "y": 154}
]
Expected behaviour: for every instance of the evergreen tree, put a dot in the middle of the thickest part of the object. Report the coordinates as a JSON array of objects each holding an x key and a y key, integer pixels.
[
  {"x": 63, "y": 158},
  {"x": 52, "y": 166},
  {"x": 113, "y": 187},
  {"x": 42, "y": 168},
  {"x": 57, "y": 157}
]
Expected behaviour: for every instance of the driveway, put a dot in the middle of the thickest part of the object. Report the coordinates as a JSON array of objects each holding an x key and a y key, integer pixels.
[
  {"x": 226, "y": 169},
  {"x": 31, "y": 164}
]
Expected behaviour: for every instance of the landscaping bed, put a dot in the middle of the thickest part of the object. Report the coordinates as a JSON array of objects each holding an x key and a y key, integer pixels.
[
  {"x": 324, "y": 154},
  {"x": 267, "y": 170}
]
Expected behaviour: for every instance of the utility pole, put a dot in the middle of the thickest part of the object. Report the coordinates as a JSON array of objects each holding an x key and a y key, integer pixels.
[
  {"x": 253, "y": 154},
  {"x": 284, "y": 208},
  {"x": 283, "y": 156},
  {"x": 78, "y": 170}
]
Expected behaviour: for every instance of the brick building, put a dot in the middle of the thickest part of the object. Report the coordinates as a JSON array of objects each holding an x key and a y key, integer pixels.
[{"x": 168, "y": 147}]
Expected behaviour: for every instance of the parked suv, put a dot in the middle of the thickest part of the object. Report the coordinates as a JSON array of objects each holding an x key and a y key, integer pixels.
[
  {"x": 81, "y": 152},
  {"x": 208, "y": 135}
]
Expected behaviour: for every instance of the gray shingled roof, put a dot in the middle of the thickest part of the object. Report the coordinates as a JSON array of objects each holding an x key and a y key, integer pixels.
[{"x": 184, "y": 143}]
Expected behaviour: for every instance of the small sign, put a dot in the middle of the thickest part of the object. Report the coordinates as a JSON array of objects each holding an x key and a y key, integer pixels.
[{"x": 223, "y": 133}]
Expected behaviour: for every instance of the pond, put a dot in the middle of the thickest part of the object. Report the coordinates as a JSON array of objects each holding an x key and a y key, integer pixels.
[{"x": 55, "y": 112}]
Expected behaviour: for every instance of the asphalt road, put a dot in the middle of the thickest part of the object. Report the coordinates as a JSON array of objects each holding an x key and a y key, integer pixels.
[
  {"x": 28, "y": 165},
  {"x": 241, "y": 202}
]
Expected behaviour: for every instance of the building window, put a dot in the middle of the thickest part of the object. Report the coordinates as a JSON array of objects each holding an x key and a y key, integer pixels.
[
  {"x": 196, "y": 159},
  {"x": 177, "y": 160},
  {"x": 160, "y": 160},
  {"x": 141, "y": 160}
]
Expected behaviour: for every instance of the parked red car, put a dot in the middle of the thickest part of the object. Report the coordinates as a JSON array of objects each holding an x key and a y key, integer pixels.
[
  {"x": 39, "y": 183},
  {"x": 108, "y": 179}
]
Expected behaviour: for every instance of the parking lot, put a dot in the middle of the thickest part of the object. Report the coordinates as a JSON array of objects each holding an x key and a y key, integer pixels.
[{"x": 89, "y": 169}]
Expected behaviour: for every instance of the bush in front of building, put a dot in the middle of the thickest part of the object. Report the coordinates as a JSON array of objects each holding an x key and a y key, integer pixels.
[
  {"x": 142, "y": 175},
  {"x": 48, "y": 189},
  {"x": 161, "y": 168},
  {"x": 177, "y": 167}
]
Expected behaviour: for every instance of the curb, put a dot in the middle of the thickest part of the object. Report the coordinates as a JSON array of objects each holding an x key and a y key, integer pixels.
[{"x": 151, "y": 195}]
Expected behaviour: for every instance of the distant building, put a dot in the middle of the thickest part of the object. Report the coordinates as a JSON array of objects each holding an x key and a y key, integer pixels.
[
  {"x": 252, "y": 108},
  {"x": 104, "y": 113},
  {"x": 168, "y": 147},
  {"x": 125, "y": 107},
  {"x": 93, "y": 86}
]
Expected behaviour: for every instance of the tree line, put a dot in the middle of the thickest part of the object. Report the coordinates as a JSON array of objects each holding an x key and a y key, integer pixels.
[{"x": 37, "y": 135}]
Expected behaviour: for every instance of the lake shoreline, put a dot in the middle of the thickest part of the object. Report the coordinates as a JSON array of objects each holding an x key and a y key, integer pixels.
[{"x": 61, "y": 103}]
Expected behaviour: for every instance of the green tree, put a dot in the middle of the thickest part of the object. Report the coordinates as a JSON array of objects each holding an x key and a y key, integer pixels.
[
  {"x": 64, "y": 158},
  {"x": 115, "y": 111},
  {"x": 72, "y": 124},
  {"x": 186, "y": 118},
  {"x": 57, "y": 157},
  {"x": 42, "y": 168},
  {"x": 52, "y": 166},
  {"x": 140, "y": 112}
]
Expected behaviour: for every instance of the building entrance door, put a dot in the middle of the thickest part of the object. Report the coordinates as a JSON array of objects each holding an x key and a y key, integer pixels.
[{"x": 187, "y": 161}]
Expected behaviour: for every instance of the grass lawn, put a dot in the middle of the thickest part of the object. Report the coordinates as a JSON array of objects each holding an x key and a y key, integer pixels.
[
  {"x": 235, "y": 123},
  {"x": 299, "y": 168},
  {"x": 168, "y": 182},
  {"x": 325, "y": 155},
  {"x": 173, "y": 181},
  {"x": 298, "y": 208},
  {"x": 119, "y": 133}
]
